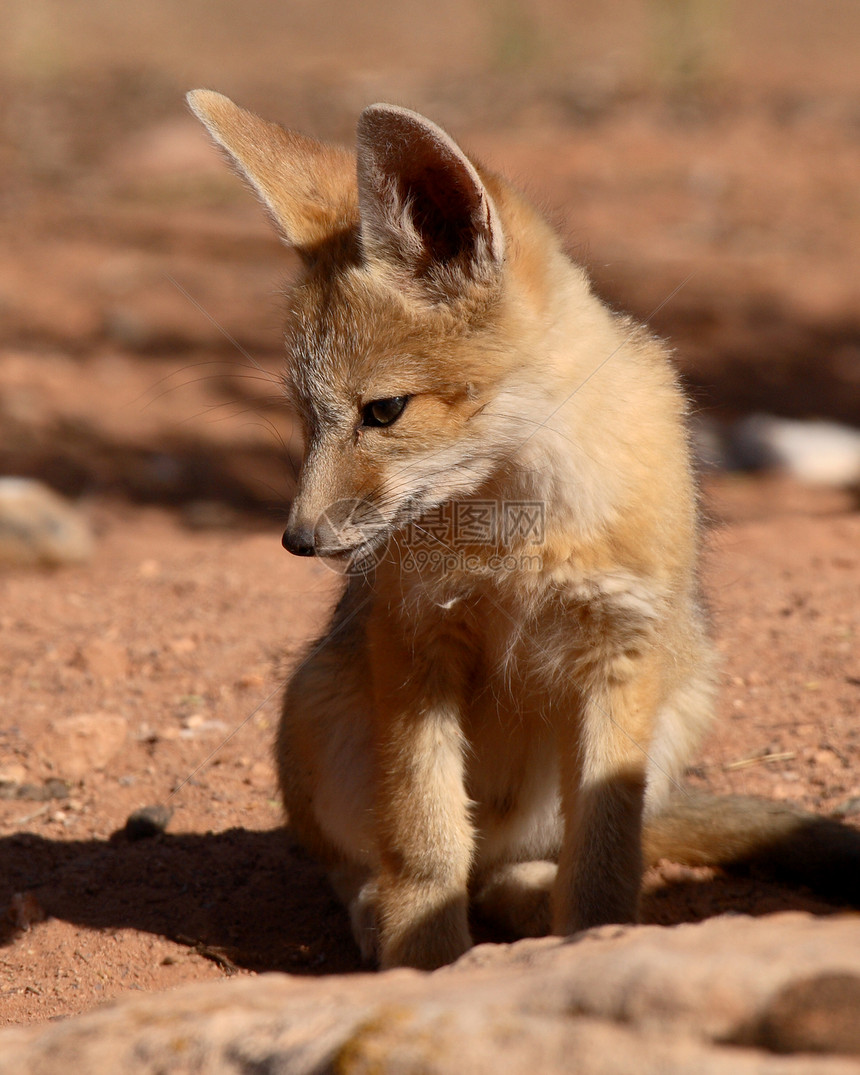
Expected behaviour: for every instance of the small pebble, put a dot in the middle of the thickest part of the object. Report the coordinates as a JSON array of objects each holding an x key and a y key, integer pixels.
[
  {"x": 24, "y": 911},
  {"x": 148, "y": 821},
  {"x": 12, "y": 774}
]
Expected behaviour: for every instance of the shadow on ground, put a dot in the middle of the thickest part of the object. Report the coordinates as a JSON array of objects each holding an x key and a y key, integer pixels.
[{"x": 271, "y": 908}]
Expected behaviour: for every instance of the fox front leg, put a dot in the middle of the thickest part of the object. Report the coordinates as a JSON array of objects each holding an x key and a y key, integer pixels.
[
  {"x": 424, "y": 834},
  {"x": 604, "y": 760}
]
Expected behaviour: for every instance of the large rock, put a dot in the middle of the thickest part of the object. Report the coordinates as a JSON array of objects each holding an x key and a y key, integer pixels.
[{"x": 727, "y": 996}]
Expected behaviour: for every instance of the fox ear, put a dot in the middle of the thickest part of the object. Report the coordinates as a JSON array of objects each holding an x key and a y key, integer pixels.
[
  {"x": 308, "y": 187},
  {"x": 423, "y": 205}
]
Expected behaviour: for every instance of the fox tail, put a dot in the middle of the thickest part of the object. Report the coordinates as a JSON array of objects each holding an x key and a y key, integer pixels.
[{"x": 750, "y": 835}]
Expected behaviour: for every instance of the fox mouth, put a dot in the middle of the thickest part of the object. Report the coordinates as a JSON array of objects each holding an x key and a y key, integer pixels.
[
  {"x": 349, "y": 534},
  {"x": 348, "y": 552},
  {"x": 359, "y": 558},
  {"x": 353, "y": 534}
]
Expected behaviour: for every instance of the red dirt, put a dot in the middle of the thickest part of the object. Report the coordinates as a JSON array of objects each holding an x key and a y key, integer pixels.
[{"x": 138, "y": 370}]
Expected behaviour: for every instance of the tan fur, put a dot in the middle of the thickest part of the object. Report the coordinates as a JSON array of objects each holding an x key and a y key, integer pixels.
[{"x": 460, "y": 728}]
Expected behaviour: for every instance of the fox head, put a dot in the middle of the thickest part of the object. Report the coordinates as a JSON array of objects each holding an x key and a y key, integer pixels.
[{"x": 409, "y": 349}]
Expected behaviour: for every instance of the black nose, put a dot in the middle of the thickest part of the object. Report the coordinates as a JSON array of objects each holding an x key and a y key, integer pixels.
[{"x": 300, "y": 542}]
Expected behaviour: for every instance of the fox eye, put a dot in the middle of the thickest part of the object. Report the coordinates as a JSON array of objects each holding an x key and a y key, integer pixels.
[{"x": 383, "y": 412}]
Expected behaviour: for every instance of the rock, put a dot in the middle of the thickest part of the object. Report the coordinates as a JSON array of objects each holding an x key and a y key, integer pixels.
[
  {"x": 148, "y": 821},
  {"x": 87, "y": 741},
  {"x": 717, "y": 998},
  {"x": 39, "y": 527}
]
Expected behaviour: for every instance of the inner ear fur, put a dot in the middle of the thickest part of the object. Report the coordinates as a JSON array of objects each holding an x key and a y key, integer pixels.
[
  {"x": 424, "y": 207},
  {"x": 308, "y": 187}
]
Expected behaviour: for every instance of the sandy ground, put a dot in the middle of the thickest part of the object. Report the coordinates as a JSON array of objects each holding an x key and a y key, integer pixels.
[{"x": 709, "y": 180}]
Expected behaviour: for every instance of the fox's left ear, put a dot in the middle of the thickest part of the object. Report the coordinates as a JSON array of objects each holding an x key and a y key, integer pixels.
[
  {"x": 423, "y": 205},
  {"x": 307, "y": 186}
]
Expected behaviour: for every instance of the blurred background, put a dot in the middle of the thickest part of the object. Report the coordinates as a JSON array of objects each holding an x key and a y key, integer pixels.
[{"x": 702, "y": 157}]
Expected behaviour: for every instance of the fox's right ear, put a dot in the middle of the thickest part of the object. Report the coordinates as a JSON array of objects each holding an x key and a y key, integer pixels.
[
  {"x": 308, "y": 187},
  {"x": 424, "y": 208}
]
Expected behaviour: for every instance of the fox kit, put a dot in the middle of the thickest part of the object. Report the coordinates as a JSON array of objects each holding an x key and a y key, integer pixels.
[{"x": 518, "y": 669}]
